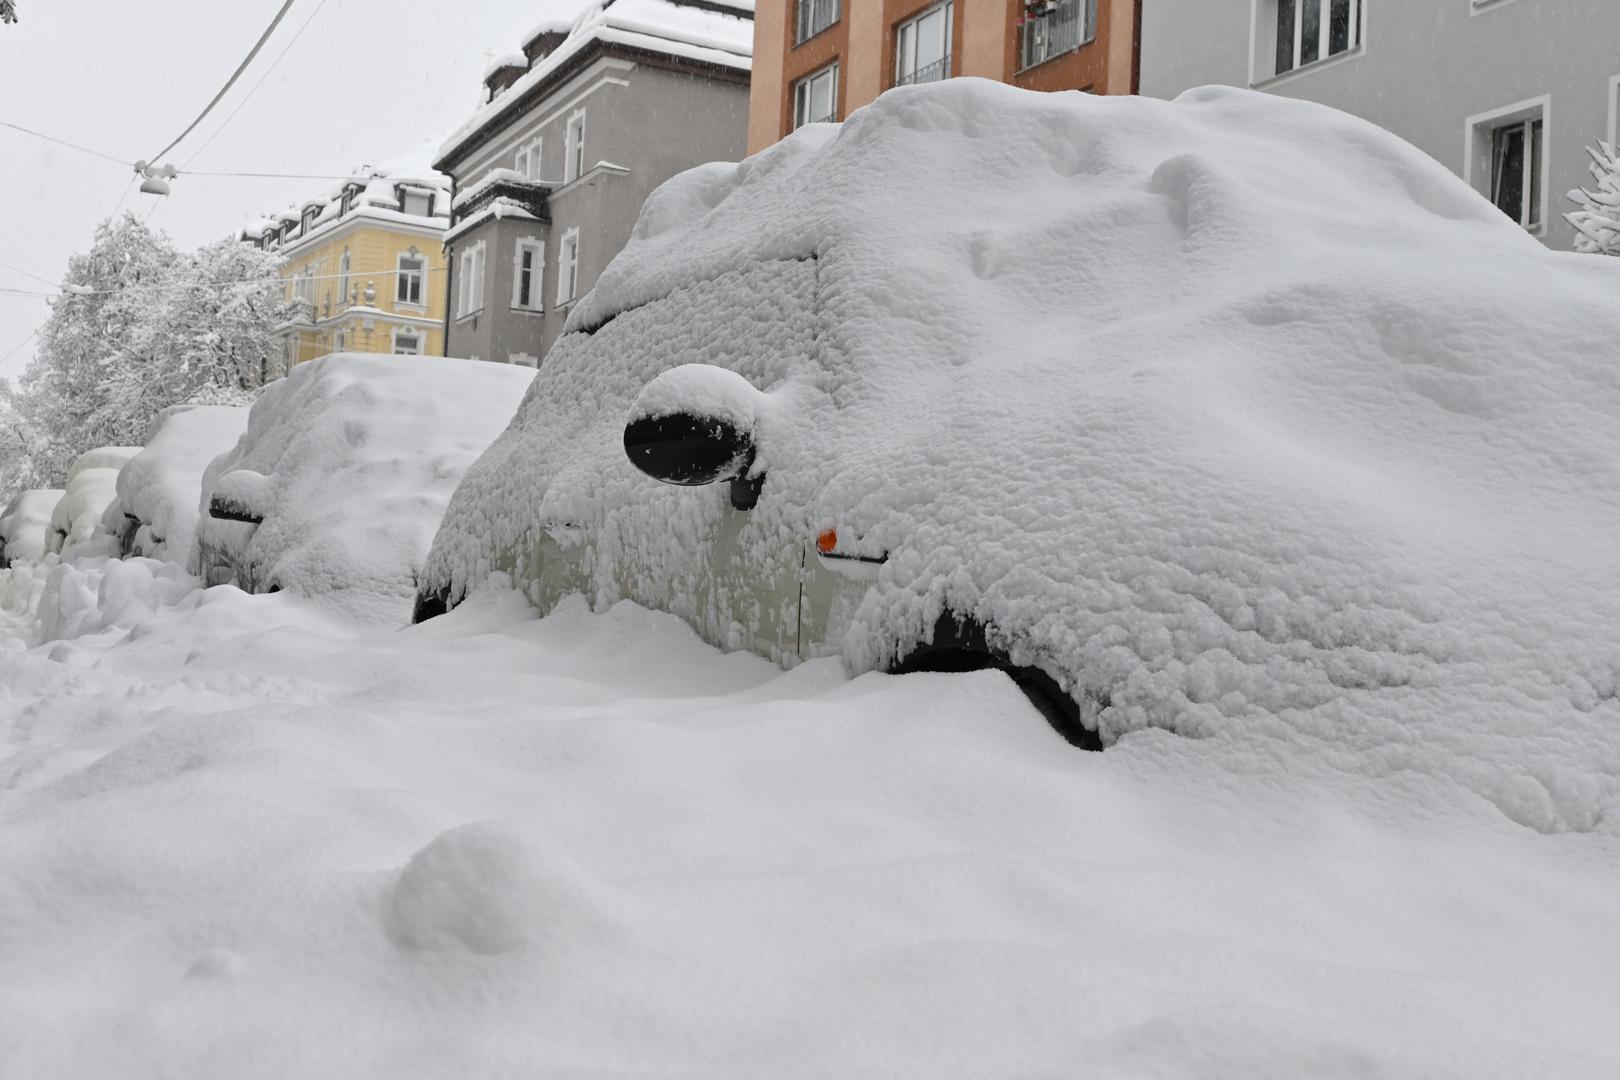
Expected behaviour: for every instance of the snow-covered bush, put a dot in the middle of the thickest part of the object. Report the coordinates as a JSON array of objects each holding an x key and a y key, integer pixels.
[
  {"x": 155, "y": 514},
  {"x": 1597, "y": 222},
  {"x": 348, "y": 463},
  {"x": 1111, "y": 376},
  {"x": 140, "y": 327}
]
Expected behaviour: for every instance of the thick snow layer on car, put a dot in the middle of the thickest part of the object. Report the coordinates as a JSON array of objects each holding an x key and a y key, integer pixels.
[
  {"x": 160, "y": 487},
  {"x": 92, "y": 485},
  {"x": 25, "y": 524},
  {"x": 349, "y": 461},
  {"x": 1241, "y": 416}
]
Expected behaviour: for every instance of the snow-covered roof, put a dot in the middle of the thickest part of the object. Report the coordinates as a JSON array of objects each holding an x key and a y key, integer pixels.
[
  {"x": 660, "y": 26},
  {"x": 377, "y": 196}
]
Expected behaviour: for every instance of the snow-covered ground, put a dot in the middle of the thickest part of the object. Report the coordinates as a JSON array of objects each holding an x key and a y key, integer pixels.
[{"x": 241, "y": 839}]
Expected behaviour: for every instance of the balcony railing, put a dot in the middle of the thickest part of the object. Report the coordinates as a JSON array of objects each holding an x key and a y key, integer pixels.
[
  {"x": 939, "y": 69},
  {"x": 814, "y": 16},
  {"x": 1051, "y": 28}
]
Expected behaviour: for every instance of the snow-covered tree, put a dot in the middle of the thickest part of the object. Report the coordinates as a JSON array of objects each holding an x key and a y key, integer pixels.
[
  {"x": 1597, "y": 222},
  {"x": 140, "y": 327},
  {"x": 8, "y": 11}
]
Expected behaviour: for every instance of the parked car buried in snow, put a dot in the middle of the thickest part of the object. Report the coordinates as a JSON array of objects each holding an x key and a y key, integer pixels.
[
  {"x": 1188, "y": 414},
  {"x": 336, "y": 487},
  {"x": 25, "y": 524}
]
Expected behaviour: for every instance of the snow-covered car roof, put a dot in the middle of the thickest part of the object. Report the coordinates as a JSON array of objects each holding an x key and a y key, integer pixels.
[
  {"x": 1255, "y": 417},
  {"x": 92, "y": 485},
  {"x": 349, "y": 461}
]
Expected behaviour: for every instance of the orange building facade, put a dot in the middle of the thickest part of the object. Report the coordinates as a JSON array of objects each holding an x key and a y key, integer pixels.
[{"x": 821, "y": 59}]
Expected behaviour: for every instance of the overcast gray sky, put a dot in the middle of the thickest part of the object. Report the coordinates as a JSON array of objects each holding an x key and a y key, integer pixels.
[{"x": 366, "y": 81}]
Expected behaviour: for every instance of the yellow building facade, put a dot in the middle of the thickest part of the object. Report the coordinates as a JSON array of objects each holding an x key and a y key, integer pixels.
[{"x": 365, "y": 265}]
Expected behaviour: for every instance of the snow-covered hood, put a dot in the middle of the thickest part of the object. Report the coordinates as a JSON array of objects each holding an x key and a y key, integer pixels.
[{"x": 1242, "y": 414}]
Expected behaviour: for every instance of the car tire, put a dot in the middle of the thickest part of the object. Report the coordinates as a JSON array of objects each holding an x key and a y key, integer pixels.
[{"x": 962, "y": 645}]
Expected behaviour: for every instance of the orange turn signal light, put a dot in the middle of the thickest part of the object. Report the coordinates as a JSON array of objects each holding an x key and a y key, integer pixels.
[{"x": 827, "y": 541}]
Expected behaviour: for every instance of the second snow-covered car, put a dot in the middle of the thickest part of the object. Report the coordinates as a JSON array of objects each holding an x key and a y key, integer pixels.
[{"x": 1207, "y": 415}]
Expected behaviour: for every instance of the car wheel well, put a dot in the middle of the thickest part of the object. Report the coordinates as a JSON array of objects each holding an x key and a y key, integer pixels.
[{"x": 961, "y": 645}]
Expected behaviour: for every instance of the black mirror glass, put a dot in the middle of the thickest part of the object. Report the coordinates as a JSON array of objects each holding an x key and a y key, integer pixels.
[{"x": 685, "y": 449}]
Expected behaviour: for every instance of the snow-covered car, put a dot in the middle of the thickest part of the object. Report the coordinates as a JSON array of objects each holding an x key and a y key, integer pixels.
[
  {"x": 92, "y": 485},
  {"x": 1224, "y": 411},
  {"x": 25, "y": 525},
  {"x": 155, "y": 513},
  {"x": 336, "y": 487}
]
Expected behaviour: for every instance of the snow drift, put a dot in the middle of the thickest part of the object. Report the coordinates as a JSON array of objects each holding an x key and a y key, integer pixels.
[
  {"x": 1240, "y": 415},
  {"x": 349, "y": 461}
]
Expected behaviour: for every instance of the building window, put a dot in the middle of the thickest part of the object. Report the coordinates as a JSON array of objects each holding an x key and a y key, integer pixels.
[
  {"x": 814, "y": 16},
  {"x": 305, "y": 288},
  {"x": 574, "y": 147},
  {"x": 521, "y": 359},
  {"x": 567, "y": 266},
  {"x": 408, "y": 281},
  {"x": 472, "y": 280},
  {"x": 527, "y": 162},
  {"x": 526, "y": 266},
  {"x": 417, "y": 203},
  {"x": 1516, "y": 171},
  {"x": 815, "y": 97},
  {"x": 407, "y": 342},
  {"x": 309, "y": 218},
  {"x": 1049, "y": 28},
  {"x": 343, "y": 278},
  {"x": 922, "y": 47},
  {"x": 1312, "y": 30}
]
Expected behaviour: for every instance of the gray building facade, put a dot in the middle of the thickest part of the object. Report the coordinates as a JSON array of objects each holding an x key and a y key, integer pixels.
[
  {"x": 1506, "y": 93},
  {"x": 550, "y": 175}
]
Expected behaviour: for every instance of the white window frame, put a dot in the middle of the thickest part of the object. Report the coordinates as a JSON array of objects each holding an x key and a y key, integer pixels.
[
  {"x": 418, "y": 278},
  {"x": 1614, "y": 108},
  {"x": 806, "y": 23},
  {"x": 905, "y": 36},
  {"x": 470, "y": 284},
  {"x": 574, "y": 147},
  {"x": 416, "y": 336},
  {"x": 523, "y": 359},
  {"x": 407, "y": 194},
  {"x": 526, "y": 162},
  {"x": 531, "y": 246},
  {"x": 345, "y": 264},
  {"x": 1263, "y": 38},
  {"x": 802, "y": 91},
  {"x": 1479, "y": 146},
  {"x": 568, "y": 267}
]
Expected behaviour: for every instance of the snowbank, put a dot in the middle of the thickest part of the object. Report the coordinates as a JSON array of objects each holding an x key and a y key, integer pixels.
[
  {"x": 1239, "y": 415},
  {"x": 158, "y": 490},
  {"x": 25, "y": 525},
  {"x": 349, "y": 462}
]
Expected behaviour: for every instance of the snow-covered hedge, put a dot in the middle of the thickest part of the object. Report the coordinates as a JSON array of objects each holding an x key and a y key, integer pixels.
[
  {"x": 1234, "y": 411},
  {"x": 349, "y": 461}
]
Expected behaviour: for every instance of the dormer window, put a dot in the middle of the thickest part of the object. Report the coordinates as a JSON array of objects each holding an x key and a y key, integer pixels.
[
  {"x": 309, "y": 218},
  {"x": 416, "y": 202},
  {"x": 349, "y": 193}
]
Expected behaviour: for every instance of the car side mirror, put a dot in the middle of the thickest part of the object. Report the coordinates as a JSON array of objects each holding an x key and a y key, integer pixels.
[
  {"x": 240, "y": 496},
  {"x": 694, "y": 425}
]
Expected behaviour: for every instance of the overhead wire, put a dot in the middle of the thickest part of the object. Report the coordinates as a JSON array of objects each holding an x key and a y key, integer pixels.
[
  {"x": 254, "y": 88},
  {"x": 237, "y": 74},
  {"x": 64, "y": 142}
]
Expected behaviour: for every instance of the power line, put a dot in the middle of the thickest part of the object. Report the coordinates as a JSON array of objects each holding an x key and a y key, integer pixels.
[
  {"x": 64, "y": 142},
  {"x": 237, "y": 74},
  {"x": 254, "y": 88},
  {"x": 26, "y": 273},
  {"x": 19, "y": 346}
]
